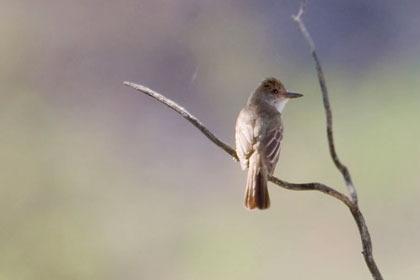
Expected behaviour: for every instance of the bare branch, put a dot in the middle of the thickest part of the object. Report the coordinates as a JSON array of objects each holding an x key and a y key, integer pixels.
[
  {"x": 171, "y": 104},
  {"x": 354, "y": 208},
  {"x": 343, "y": 169}
]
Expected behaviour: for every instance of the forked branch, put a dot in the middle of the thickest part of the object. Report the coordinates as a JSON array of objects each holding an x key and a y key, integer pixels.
[{"x": 351, "y": 202}]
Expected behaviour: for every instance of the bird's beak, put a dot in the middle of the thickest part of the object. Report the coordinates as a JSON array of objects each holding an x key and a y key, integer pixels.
[{"x": 293, "y": 95}]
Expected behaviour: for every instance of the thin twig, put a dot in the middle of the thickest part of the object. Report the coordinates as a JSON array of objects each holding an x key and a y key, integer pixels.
[
  {"x": 360, "y": 221},
  {"x": 353, "y": 206},
  {"x": 180, "y": 110},
  {"x": 343, "y": 169}
]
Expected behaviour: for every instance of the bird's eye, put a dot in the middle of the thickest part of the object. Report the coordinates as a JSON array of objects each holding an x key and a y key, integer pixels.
[{"x": 275, "y": 91}]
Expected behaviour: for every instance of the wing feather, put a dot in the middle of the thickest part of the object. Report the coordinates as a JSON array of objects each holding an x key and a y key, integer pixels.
[
  {"x": 271, "y": 147},
  {"x": 244, "y": 139}
]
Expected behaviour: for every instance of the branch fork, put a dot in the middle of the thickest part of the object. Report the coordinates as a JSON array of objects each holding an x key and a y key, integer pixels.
[{"x": 350, "y": 201}]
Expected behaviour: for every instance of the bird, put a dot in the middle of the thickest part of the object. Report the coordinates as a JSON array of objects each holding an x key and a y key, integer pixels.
[{"x": 258, "y": 133}]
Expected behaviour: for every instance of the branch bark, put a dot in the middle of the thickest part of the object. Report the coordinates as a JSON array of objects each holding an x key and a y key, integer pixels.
[{"x": 351, "y": 202}]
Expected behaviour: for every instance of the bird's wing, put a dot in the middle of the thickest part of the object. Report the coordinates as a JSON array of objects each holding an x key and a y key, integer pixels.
[
  {"x": 244, "y": 138},
  {"x": 271, "y": 145}
]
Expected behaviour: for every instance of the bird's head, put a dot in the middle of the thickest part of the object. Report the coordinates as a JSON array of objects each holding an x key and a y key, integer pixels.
[{"x": 273, "y": 92}]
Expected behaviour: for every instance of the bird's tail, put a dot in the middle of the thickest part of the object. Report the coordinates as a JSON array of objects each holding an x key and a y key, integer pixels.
[{"x": 256, "y": 195}]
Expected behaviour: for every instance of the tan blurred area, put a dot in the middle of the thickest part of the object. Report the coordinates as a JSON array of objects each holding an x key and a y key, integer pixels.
[{"x": 100, "y": 182}]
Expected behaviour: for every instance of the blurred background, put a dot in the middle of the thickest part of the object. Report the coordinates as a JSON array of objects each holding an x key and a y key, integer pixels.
[{"x": 101, "y": 182}]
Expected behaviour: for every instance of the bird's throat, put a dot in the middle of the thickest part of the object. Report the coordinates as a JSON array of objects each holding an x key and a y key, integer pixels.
[{"x": 281, "y": 104}]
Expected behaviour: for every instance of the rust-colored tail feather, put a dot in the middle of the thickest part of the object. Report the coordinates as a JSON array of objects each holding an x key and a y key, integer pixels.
[{"x": 256, "y": 195}]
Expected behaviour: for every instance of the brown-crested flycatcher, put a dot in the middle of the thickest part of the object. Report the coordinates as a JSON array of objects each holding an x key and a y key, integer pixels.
[{"x": 258, "y": 133}]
